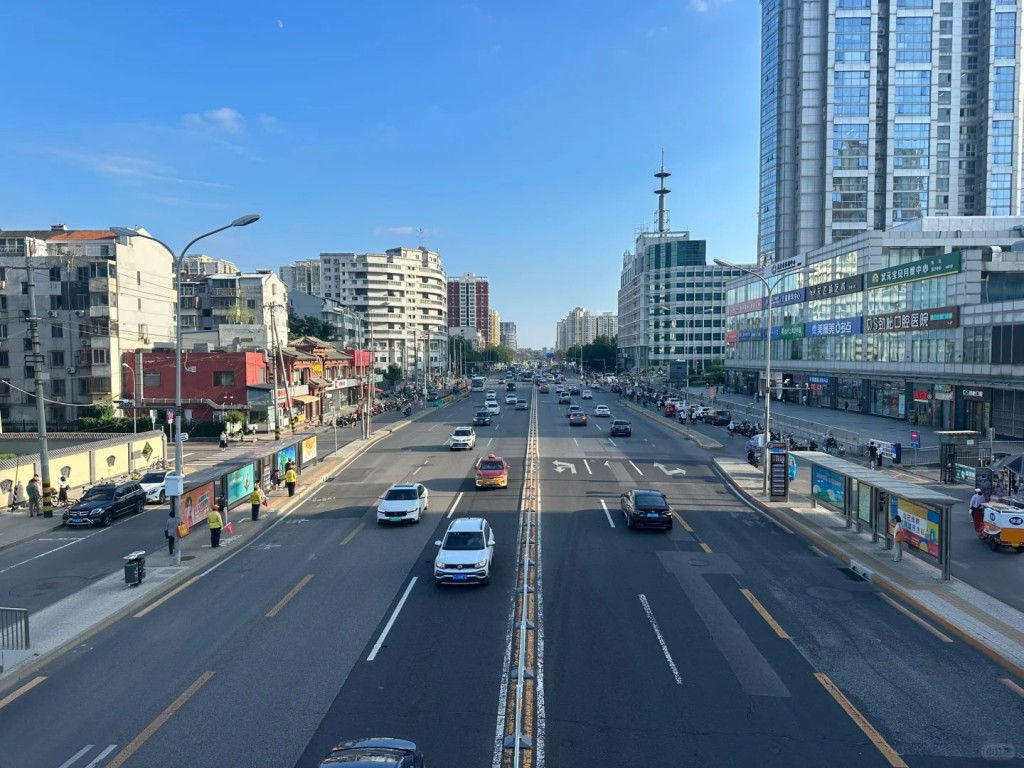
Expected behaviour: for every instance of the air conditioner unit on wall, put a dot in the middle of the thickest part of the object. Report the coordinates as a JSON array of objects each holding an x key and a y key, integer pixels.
[
  {"x": 72, "y": 370},
  {"x": 52, "y": 313},
  {"x": 80, "y": 313},
  {"x": 86, "y": 342}
]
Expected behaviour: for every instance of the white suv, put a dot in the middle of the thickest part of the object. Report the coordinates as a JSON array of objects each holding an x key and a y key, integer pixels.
[
  {"x": 465, "y": 553},
  {"x": 402, "y": 503},
  {"x": 462, "y": 437}
]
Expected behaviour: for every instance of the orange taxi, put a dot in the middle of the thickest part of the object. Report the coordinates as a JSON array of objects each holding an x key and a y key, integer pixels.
[{"x": 492, "y": 472}]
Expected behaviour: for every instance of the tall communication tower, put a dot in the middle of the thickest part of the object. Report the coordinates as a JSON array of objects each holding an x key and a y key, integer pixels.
[{"x": 661, "y": 191}]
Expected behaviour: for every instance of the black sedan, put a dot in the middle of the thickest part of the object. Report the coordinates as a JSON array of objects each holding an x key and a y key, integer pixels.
[
  {"x": 646, "y": 508},
  {"x": 386, "y": 753},
  {"x": 482, "y": 419},
  {"x": 621, "y": 428}
]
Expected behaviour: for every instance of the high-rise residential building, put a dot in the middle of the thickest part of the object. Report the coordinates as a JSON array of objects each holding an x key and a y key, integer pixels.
[
  {"x": 303, "y": 276},
  {"x": 469, "y": 304},
  {"x": 671, "y": 303},
  {"x": 874, "y": 114},
  {"x": 576, "y": 329},
  {"x": 402, "y": 294},
  {"x": 201, "y": 264},
  {"x": 97, "y": 296},
  {"x": 508, "y": 336},
  {"x": 493, "y": 328},
  {"x": 606, "y": 324}
]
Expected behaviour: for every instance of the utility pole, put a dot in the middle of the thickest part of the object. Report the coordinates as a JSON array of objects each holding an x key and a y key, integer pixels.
[
  {"x": 273, "y": 374},
  {"x": 284, "y": 372},
  {"x": 37, "y": 367}
]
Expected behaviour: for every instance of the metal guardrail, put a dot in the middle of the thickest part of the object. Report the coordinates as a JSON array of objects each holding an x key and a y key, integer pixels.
[{"x": 14, "y": 629}]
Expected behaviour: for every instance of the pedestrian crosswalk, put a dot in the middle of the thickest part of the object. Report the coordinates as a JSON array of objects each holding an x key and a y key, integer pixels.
[{"x": 195, "y": 460}]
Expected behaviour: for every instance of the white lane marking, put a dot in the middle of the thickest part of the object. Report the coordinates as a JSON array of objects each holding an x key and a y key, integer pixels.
[
  {"x": 432, "y": 428},
  {"x": 661, "y": 639},
  {"x": 636, "y": 468},
  {"x": 455, "y": 504},
  {"x": 51, "y": 551},
  {"x": 612, "y": 442},
  {"x": 915, "y": 618},
  {"x": 561, "y": 466},
  {"x": 186, "y": 455},
  {"x": 415, "y": 471},
  {"x": 74, "y": 758},
  {"x": 587, "y": 465},
  {"x": 607, "y": 514},
  {"x": 576, "y": 442},
  {"x": 489, "y": 441},
  {"x": 101, "y": 755},
  {"x": 670, "y": 472},
  {"x": 391, "y": 621}
]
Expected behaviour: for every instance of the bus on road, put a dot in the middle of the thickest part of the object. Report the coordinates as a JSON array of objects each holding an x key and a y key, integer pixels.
[{"x": 477, "y": 384}]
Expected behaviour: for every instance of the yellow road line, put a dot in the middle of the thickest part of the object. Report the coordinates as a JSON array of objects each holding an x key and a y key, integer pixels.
[
  {"x": 23, "y": 690},
  {"x": 291, "y": 593},
  {"x": 764, "y": 614},
  {"x": 682, "y": 522},
  {"x": 153, "y": 606},
  {"x": 705, "y": 547},
  {"x": 890, "y": 754},
  {"x": 162, "y": 718},
  {"x": 1004, "y": 680},
  {"x": 914, "y": 617},
  {"x": 352, "y": 535}
]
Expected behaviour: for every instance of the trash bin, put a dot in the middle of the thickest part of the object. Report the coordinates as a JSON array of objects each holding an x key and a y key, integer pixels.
[{"x": 134, "y": 568}]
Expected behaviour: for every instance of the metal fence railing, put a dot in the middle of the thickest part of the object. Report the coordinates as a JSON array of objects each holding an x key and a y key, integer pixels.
[{"x": 14, "y": 629}]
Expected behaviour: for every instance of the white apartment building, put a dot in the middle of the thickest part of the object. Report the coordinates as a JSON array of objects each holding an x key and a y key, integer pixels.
[
  {"x": 201, "y": 264},
  {"x": 97, "y": 297},
  {"x": 212, "y": 300},
  {"x": 302, "y": 276},
  {"x": 606, "y": 324},
  {"x": 877, "y": 114},
  {"x": 509, "y": 337},
  {"x": 403, "y": 294}
]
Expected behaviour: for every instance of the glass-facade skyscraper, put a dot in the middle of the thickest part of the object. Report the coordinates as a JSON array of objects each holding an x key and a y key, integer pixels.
[{"x": 878, "y": 112}]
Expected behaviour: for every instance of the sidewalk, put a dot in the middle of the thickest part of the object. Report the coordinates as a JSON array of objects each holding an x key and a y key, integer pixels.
[
  {"x": 71, "y": 621},
  {"x": 987, "y": 624}
]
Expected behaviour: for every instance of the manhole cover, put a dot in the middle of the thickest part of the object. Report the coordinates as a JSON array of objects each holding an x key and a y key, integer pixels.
[{"x": 36, "y": 588}]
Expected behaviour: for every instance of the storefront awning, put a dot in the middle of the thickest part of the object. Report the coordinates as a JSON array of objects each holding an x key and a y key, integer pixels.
[{"x": 306, "y": 399}]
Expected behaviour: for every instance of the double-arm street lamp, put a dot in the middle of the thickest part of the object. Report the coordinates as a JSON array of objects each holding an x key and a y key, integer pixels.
[
  {"x": 769, "y": 289},
  {"x": 179, "y": 459}
]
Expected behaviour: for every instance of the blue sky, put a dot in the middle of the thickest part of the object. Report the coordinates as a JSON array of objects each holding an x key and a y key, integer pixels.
[{"x": 520, "y": 137}]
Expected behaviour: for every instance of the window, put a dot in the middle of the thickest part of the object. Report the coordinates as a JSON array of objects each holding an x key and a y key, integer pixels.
[
  {"x": 5, "y": 359},
  {"x": 57, "y": 358},
  {"x": 853, "y": 39},
  {"x": 3, "y": 303},
  {"x": 150, "y": 379},
  {"x": 851, "y": 94},
  {"x": 101, "y": 357},
  {"x": 1002, "y": 89},
  {"x": 999, "y": 195},
  {"x": 1005, "y": 34},
  {"x": 910, "y": 145},
  {"x": 26, "y": 344},
  {"x": 913, "y": 3},
  {"x": 909, "y": 198},
  {"x": 1001, "y": 141},
  {"x": 853, "y": 5},
  {"x": 56, "y": 301},
  {"x": 850, "y": 198},
  {"x": 30, "y": 371},
  {"x": 3, "y": 331},
  {"x": 913, "y": 39},
  {"x": 223, "y": 378},
  {"x": 913, "y": 92},
  {"x": 24, "y": 289},
  {"x": 850, "y": 146},
  {"x": 58, "y": 387},
  {"x": 56, "y": 330}
]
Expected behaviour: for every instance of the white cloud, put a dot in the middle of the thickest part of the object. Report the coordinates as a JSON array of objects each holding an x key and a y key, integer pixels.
[
  {"x": 223, "y": 120},
  {"x": 120, "y": 166},
  {"x": 280, "y": 24},
  {"x": 700, "y": 6},
  {"x": 394, "y": 230},
  {"x": 270, "y": 124},
  {"x": 656, "y": 31}
]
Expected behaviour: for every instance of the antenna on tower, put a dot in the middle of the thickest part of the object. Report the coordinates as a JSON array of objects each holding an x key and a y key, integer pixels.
[
  {"x": 419, "y": 236},
  {"x": 661, "y": 191}
]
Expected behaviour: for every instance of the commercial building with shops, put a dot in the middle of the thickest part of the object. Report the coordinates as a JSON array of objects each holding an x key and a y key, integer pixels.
[{"x": 922, "y": 323}]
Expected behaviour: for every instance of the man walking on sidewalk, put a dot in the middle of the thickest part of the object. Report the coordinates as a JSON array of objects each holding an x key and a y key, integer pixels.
[
  {"x": 872, "y": 454},
  {"x": 977, "y": 502}
]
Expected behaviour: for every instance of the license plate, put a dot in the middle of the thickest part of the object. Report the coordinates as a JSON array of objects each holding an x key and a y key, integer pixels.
[
  {"x": 77, "y": 520},
  {"x": 653, "y": 514},
  {"x": 459, "y": 577},
  {"x": 394, "y": 519}
]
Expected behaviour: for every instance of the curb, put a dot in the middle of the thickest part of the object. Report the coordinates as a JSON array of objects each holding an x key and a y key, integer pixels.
[
  {"x": 30, "y": 668},
  {"x": 870, "y": 575},
  {"x": 706, "y": 443}
]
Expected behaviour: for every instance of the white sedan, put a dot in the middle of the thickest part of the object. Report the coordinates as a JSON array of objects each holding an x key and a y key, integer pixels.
[
  {"x": 492, "y": 407},
  {"x": 587, "y": 394},
  {"x": 602, "y": 410},
  {"x": 510, "y": 398}
]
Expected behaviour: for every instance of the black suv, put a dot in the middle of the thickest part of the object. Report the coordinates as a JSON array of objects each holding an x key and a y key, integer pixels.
[{"x": 103, "y": 502}]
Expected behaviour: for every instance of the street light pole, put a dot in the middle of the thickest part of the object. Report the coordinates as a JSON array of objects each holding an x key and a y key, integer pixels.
[
  {"x": 135, "y": 431},
  {"x": 179, "y": 458},
  {"x": 767, "y": 358}
]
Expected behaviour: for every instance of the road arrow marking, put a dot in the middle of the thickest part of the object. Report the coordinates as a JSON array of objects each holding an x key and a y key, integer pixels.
[
  {"x": 561, "y": 466},
  {"x": 670, "y": 472}
]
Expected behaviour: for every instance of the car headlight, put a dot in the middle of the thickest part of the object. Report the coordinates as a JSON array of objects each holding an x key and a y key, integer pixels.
[
  {"x": 439, "y": 564},
  {"x": 481, "y": 564},
  {"x": 98, "y": 511}
]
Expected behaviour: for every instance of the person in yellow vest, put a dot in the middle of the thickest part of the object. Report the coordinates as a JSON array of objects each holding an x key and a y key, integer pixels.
[
  {"x": 290, "y": 478},
  {"x": 256, "y": 498},
  {"x": 216, "y": 524}
]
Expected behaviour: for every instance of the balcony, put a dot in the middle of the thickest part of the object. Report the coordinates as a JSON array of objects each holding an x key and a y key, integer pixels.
[
  {"x": 225, "y": 292},
  {"x": 103, "y": 285},
  {"x": 101, "y": 310}
]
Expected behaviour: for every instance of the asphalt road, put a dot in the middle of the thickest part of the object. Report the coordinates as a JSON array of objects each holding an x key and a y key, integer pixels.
[{"x": 650, "y": 651}]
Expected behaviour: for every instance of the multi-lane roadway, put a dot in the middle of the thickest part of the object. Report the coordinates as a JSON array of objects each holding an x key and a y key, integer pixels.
[{"x": 727, "y": 641}]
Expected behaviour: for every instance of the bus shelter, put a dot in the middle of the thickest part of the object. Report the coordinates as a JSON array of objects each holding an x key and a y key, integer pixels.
[{"x": 870, "y": 499}]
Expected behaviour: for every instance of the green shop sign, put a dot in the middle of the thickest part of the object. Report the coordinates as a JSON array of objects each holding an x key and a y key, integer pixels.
[
  {"x": 792, "y": 331},
  {"x": 923, "y": 269},
  {"x": 963, "y": 474}
]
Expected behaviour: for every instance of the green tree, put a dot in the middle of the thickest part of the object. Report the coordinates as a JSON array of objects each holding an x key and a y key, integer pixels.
[
  {"x": 393, "y": 374},
  {"x": 239, "y": 315}
]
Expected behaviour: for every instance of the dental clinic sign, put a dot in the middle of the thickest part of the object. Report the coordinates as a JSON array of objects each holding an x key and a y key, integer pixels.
[
  {"x": 918, "y": 320},
  {"x": 923, "y": 269}
]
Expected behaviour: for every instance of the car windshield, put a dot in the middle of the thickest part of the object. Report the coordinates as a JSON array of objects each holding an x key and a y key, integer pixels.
[
  {"x": 490, "y": 465},
  {"x": 99, "y": 494},
  {"x": 400, "y": 494},
  {"x": 152, "y": 477},
  {"x": 462, "y": 433},
  {"x": 482, "y": 413},
  {"x": 620, "y": 423},
  {"x": 458, "y": 540},
  {"x": 651, "y": 501}
]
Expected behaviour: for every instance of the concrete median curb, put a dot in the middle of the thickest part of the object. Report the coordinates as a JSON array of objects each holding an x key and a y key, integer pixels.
[
  {"x": 705, "y": 442},
  {"x": 867, "y": 572}
]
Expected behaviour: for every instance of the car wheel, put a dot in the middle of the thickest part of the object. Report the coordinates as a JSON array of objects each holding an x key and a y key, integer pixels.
[
  {"x": 140, "y": 507},
  {"x": 163, "y": 497},
  {"x": 993, "y": 544},
  {"x": 438, "y": 583},
  {"x": 486, "y": 580},
  {"x": 106, "y": 519}
]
